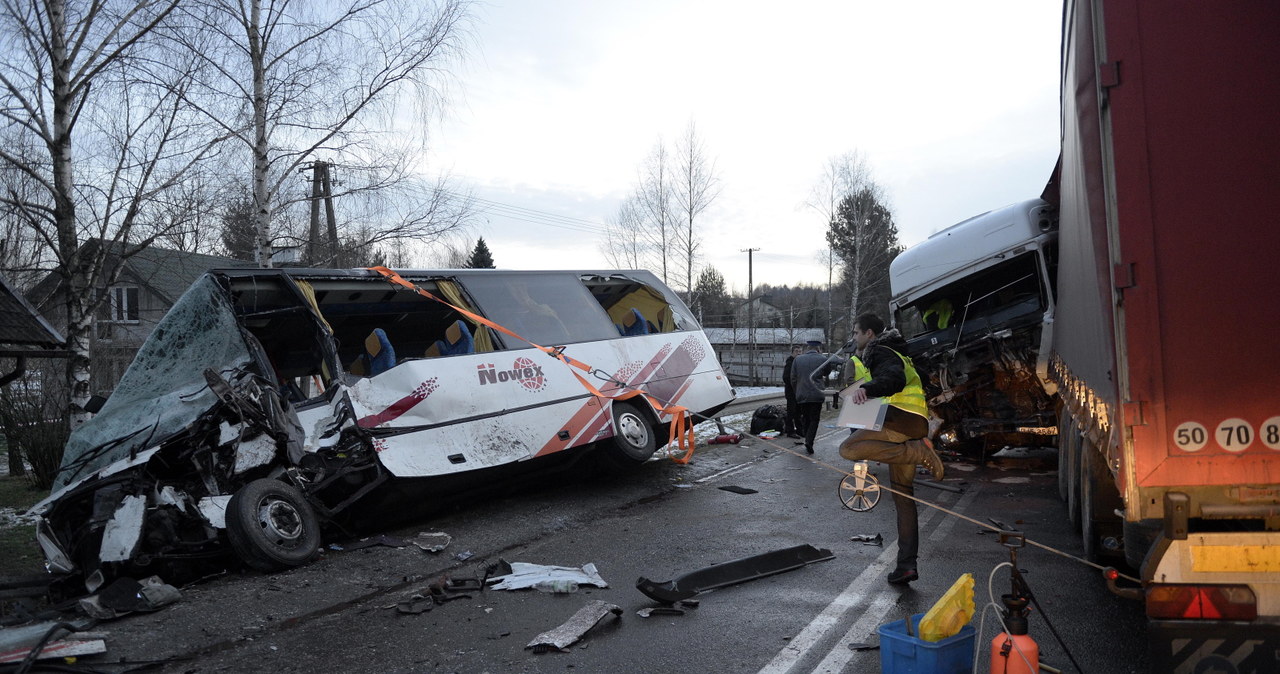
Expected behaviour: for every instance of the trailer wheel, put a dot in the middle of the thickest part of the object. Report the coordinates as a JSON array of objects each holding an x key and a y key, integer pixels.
[
  {"x": 271, "y": 526},
  {"x": 633, "y": 440},
  {"x": 1074, "y": 471},
  {"x": 1064, "y": 419},
  {"x": 1088, "y": 501}
]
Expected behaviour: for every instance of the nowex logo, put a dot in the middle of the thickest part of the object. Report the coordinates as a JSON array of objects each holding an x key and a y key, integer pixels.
[{"x": 522, "y": 370}]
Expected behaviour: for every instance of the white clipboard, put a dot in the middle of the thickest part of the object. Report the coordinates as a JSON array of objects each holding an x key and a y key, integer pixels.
[{"x": 869, "y": 415}]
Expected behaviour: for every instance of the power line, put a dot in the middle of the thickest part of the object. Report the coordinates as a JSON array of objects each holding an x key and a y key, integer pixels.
[{"x": 537, "y": 217}]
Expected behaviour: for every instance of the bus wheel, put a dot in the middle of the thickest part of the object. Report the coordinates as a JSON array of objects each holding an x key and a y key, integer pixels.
[
  {"x": 271, "y": 526},
  {"x": 633, "y": 440}
]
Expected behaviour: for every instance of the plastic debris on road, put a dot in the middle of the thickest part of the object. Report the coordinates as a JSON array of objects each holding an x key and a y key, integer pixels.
[
  {"x": 574, "y": 628},
  {"x": 522, "y": 575}
]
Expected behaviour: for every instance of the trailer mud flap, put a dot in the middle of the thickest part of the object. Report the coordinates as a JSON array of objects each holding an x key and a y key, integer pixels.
[
  {"x": 1193, "y": 647},
  {"x": 731, "y": 573}
]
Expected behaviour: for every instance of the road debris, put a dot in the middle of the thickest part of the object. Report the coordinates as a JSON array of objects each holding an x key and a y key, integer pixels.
[
  {"x": 62, "y": 648},
  {"x": 432, "y": 541},
  {"x": 732, "y": 573},
  {"x": 380, "y": 539},
  {"x": 659, "y": 610},
  {"x": 738, "y": 490},
  {"x": 868, "y": 539},
  {"x": 520, "y": 575},
  {"x": 556, "y": 586},
  {"x": 126, "y": 595},
  {"x": 573, "y": 629},
  {"x": 17, "y": 643}
]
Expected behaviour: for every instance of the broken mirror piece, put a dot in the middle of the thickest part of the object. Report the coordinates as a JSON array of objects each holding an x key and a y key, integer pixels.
[
  {"x": 732, "y": 573},
  {"x": 524, "y": 575},
  {"x": 574, "y": 628}
]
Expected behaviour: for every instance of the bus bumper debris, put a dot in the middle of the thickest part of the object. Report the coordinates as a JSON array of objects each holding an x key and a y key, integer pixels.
[
  {"x": 575, "y": 627},
  {"x": 732, "y": 573}
]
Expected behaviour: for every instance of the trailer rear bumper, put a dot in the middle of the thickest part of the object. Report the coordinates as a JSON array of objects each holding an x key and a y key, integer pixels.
[{"x": 1193, "y": 646}]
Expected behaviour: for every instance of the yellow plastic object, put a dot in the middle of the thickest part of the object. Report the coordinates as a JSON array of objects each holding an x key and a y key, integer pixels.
[{"x": 951, "y": 613}]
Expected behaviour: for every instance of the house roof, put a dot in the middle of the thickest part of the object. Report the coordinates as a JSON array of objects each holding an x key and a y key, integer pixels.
[
  {"x": 23, "y": 330},
  {"x": 166, "y": 272},
  {"x": 170, "y": 272}
]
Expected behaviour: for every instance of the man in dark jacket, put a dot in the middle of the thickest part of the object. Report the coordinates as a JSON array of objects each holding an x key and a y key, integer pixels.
[
  {"x": 808, "y": 367},
  {"x": 792, "y": 420},
  {"x": 901, "y": 442}
]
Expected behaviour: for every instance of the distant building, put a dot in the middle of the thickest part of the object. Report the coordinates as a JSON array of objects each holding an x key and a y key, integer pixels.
[
  {"x": 772, "y": 346},
  {"x": 148, "y": 285},
  {"x": 24, "y": 334},
  {"x": 759, "y": 312}
]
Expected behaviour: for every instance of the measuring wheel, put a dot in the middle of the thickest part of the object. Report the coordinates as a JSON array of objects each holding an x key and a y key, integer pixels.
[{"x": 859, "y": 490}]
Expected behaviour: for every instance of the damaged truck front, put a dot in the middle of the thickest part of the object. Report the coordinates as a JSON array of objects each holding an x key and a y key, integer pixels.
[
  {"x": 269, "y": 402},
  {"x": 975, "y": 303}
]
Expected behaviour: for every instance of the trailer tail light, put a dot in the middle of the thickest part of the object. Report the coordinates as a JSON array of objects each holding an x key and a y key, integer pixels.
[{"x": 1204, "y": 602}]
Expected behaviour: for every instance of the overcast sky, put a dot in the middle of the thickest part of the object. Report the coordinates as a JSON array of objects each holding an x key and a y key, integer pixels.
[{"x": 953, "y": 104}]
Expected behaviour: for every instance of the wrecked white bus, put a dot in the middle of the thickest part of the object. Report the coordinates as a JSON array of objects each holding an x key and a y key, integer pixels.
[
  {"x": 268, "y": 402},
  {"x": 975, "y": 303}
]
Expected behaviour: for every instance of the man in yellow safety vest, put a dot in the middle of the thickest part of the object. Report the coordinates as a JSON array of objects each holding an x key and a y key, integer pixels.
[{"x": 901, "y": 442}]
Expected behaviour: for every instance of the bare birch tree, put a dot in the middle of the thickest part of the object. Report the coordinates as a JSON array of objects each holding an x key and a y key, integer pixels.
[
  {"x": 656, "y": 194},
  {"x": 342, "y": 81},
  {"x": 865, "y": 238},
  {"x": 696, "y": 187},
  {"x": 625, "y": 245},
  {"x": 842, "y": 175},
  {"x": 99, "y": 126}
]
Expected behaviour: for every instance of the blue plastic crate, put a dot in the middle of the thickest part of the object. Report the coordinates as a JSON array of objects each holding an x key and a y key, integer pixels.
[{"x": 904, "y": 654}]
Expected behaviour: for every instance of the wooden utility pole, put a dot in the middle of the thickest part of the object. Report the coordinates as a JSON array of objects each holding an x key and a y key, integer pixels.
[
  {"x": 751, "y": 319},
  {"x": 322, "y": 248}
]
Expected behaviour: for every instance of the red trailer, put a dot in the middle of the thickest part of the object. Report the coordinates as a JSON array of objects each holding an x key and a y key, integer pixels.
[{"x": 1168, "y": 313}]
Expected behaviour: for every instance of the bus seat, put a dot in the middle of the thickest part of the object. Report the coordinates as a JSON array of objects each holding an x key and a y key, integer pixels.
[
  {"x": 457, "y": 340},
  {"x": 381, "y": 356},
  {"x": 634, "y": 324}
]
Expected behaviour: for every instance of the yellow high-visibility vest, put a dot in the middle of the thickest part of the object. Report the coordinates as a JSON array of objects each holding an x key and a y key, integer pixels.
[
  {"x": 941, "y": 309},
  {"x": 860, "y": 371},
  {"x": 911, "y": 397}
]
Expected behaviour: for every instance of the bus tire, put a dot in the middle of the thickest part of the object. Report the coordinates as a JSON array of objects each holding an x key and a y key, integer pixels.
[
  {"x": 633, "y": 441},
  {"x": 271, "y": 526}
]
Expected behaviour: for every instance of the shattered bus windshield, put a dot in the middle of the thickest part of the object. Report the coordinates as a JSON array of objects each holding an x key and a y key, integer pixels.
[{"x": 165, "y": 388}]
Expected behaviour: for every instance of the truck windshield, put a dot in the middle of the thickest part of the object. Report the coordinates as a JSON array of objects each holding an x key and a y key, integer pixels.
[{"x": 990, "y": 299}]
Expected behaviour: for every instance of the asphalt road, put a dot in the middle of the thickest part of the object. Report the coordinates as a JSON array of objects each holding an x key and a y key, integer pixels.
[{"x": 339, "y": 614}]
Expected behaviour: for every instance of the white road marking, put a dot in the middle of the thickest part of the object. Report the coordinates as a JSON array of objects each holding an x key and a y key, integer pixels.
[
  {"x": 872, "y": 618},
  {"x": 726, "y": 471},
  {"x": 860, "y": 588}
]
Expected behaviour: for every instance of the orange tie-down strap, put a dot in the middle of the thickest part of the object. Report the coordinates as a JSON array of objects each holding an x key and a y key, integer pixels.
[{"x": 681, "y": 428}]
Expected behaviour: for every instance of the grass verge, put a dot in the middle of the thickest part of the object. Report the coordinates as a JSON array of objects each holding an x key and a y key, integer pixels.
[{"x": 19, "y": 553}]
